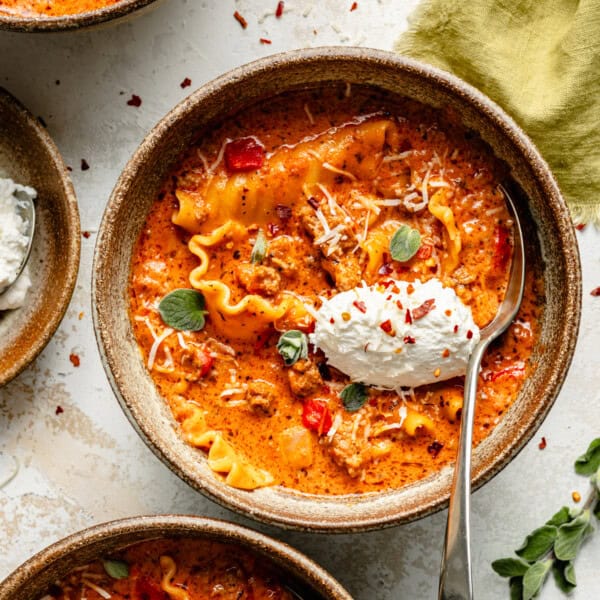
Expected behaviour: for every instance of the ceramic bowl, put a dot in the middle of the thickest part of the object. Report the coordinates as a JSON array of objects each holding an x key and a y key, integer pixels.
[
  {"x": 31, "y": 580},
  {"x": 29, "y": 156},
  {"x": 38, "y": 23},
  {"x": 542, "y": 209}
]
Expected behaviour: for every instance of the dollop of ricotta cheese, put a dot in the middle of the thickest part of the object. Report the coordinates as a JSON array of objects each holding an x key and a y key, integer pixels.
[
  {"x": 396, "y": 333},
  {"x": 13, "y": 244}
]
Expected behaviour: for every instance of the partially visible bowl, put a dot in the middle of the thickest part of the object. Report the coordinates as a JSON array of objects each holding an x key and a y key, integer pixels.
[
  {"x": 550, "y": 235},
  {"x": 40, "y": 23},
  {"x": 31, "y": 580},
  {"x": 28, "y": 156}
]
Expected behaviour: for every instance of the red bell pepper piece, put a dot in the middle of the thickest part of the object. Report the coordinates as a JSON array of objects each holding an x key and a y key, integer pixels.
[{"x": 316, "y": 416}]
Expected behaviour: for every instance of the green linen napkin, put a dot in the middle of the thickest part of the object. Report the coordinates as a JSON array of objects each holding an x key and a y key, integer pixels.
[{"x": 538, "y": 59}]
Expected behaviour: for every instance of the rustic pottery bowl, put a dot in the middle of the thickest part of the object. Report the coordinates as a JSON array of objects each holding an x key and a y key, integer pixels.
[
  {"x": 550, "y": 234},
  {"x": 31, "y": 580},
  {"x": 38, "y": 23},
  {"x": 29, "y": 156}
]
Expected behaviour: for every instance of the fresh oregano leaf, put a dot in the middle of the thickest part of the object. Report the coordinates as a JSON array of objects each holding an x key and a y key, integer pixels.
[
  {"x": 588, "y": 463},
  {"x": 516, "y": 588},
  {"x": 564, "y": 575},
  {"x": 183, "y": 309},
  {"x": 562, "y": 516},
  {"x": 117, "y": 569},
  {"x": 354, "y": 396},
  {"x": 510, "y": 567},
  {"x": 405, "y": 243},
  {"x": 570, "y": 535},
  {"x": 259, "y": 250},
  {"x": 534, "y": 578},
  {"x": 537, "y": 543},
  {"x": 292, "y": 345}
]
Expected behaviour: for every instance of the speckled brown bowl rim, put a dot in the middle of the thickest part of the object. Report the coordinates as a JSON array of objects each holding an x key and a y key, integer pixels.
[
  {"x": 60, "y": 297},
  {"x": 349, "y": 513},
  {"x": 40, "y": 24},
  {"x": 31, "y": 579}
]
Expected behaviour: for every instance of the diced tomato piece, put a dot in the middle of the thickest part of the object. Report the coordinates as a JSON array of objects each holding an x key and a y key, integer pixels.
[
  {"x": 206, "y": 362},
  {"x": 146, "y": 589},
  {"x": 316, "y": 416},
  {"x": 244, "y": 154},
  {"x": 425, "y": 251},
  {"x": 502, "y": 247}
]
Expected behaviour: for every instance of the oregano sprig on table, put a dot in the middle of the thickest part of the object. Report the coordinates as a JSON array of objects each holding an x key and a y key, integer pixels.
[{"x": 555, "y": 545}]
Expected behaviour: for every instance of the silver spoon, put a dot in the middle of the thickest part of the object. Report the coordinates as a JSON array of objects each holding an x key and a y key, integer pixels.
[
  {"x": 456, "y": 582},
  {"x": 26, "y": 209}
]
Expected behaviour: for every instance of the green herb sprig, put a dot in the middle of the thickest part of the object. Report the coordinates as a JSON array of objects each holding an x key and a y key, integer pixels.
[
  {"x": 183, "y": 309},
  {"x": 117, "y": 569},
  {"x": 405, "y": 243},
  {"x": 354, "y": 396},
  {"x": 555, "y": 545},
  {"x": 292, "y": 345}
]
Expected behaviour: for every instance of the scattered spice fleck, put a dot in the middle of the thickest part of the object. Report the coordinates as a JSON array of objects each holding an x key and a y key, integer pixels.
[
  {"x": 542, "y": 445},
  {"x": 421, "y": 311},
  {"x": 57, "y": 82},
  {"x": 448, "y": 312},
  {"x": 240, "y": 19},
  {"x": 576, "y": 497},
  {"x": 265, "y": 41},
  {"x": 186, "y": 83},
  {"x": 279, "y": 9},
  {"x": 595, "y": 292},
  {"x": 408, "y": 318},
  {"x": 360, "y": 305},
  {"x": 135, "y": 100},
  {"x": 354, "y": 6},
  {"x": 332, "y": 320},
  {"x": 84, "y": 165},
  {"x": 410, "y": 288},
  {"x": 446, "y": 353},
  {"x": 434, "y": 448},
  {"x": 580, "y": 227},
  {"x": 437, "y": 372},
  {"x": 80, "y": 315},
  {"x": 386, "y": 326},
  {"x": 86, "y": 234},
  {"x": 75, "y": 360},
  {"x": 346, "y": 316},
  {"x": 409, "y": 340},
  {"x": 284, "y": 212},
  {"x": 397, "y": 350},
  {"x": 386, "y": 269},
  {"x": 59, "y": 410},
  {"x": 456, "y": 329},
  {"x": 70, "y": 169},
  {"x": 469, "y": 334}
]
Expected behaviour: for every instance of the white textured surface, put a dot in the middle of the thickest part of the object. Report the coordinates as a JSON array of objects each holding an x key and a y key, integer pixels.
[{"x": 87, "y": 465}]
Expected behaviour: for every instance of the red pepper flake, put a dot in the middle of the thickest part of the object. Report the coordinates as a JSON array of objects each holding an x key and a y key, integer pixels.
[
  {"x": 240, "y": 19},
  {"x": 332, "y": 320},
  {"x": 244, "y": 154},
  {"x": 387, "y": 327},
  {"x": 360, "y": 305},
  {"x": 84, "y": 165},
  {"x": 446, "y": 353},
  {"x": 456, "y": 329},
  {"x": 469, "y": 334},
  {"x": 399, "y": 305},
  {"x": 75, "y": 360},
  {"x": 59, "y": 410},
  {"x": 410, "y": 289},
  {"x": 86, "y": 234},
  {"x": 595, "y": 292},
  {"x": 434, "y": 448},
  {"x": 135, "y": 100},
  {"x": 421, "y": 311},
  {"x": 273, "y": 228},
  {"x": 265, "y": 41},
  {"x": 186, "y": 83},
  {"x": 580, "y": 227},
  {"x": 279, "y": 9},
  {"x": 386, "y": 284},
  {"x": 386, "y": 269},
  {"x": 409, "y": 340},
  {"x": 313, "y": 202},
  {"x": 542, "y": 445},
  {"x": 395, "y": 290},
  {"x": 425, "y": 251},
  {"x": 389, "y": 297},
  {"x": 448, "y": 312},
  {"x": 408, "y": 318},
  {"x": 354, "y": 6},
  {"x": 283, "y": 211}
]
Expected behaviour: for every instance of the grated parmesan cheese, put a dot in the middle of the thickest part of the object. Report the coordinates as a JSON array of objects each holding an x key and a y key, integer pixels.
[
  {"x": 337, "y": 421},
  {"x": 96, "y": 588},
  {"x": 334, "y": 169},
  {"x": 309, "y": 114},
  {"x": 155, "y": 346}
]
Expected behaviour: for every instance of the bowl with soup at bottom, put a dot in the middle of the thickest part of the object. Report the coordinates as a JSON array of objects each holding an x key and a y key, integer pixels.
[
  {"x": 150, "y": 556},
  {"x": 288, "y": 179},
  {"x": 66, "y": 15}
]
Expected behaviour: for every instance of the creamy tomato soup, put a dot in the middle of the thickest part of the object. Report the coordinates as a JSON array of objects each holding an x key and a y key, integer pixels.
[
  {"x": 182, "y": 569},
  {"x": 310, "y": 282},
  {"x": 53, "y": 8}
]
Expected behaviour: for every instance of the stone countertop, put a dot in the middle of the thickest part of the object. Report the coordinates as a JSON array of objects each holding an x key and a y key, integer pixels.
[{"x": 86, "y": 464}]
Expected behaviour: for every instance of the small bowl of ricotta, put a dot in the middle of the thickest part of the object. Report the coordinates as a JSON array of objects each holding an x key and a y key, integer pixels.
[{"x": 33, "y": 300}]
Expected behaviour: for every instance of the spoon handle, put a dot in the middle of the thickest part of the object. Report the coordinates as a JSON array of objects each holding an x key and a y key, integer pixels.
[{"x": 456, "y": 582}]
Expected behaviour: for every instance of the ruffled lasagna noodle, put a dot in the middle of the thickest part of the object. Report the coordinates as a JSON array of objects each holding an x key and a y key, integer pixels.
[{"x": 325, "y": 198}]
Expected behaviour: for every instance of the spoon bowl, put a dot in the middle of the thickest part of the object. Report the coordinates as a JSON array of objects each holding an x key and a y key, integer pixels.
[{"x": 455, "y": 577}]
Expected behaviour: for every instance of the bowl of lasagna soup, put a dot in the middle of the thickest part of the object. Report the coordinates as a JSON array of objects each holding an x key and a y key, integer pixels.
[
  {"x": 170, "y": 556},
  {"x": 64, "y": 15},
  {"x": 294, "y": 268}
]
